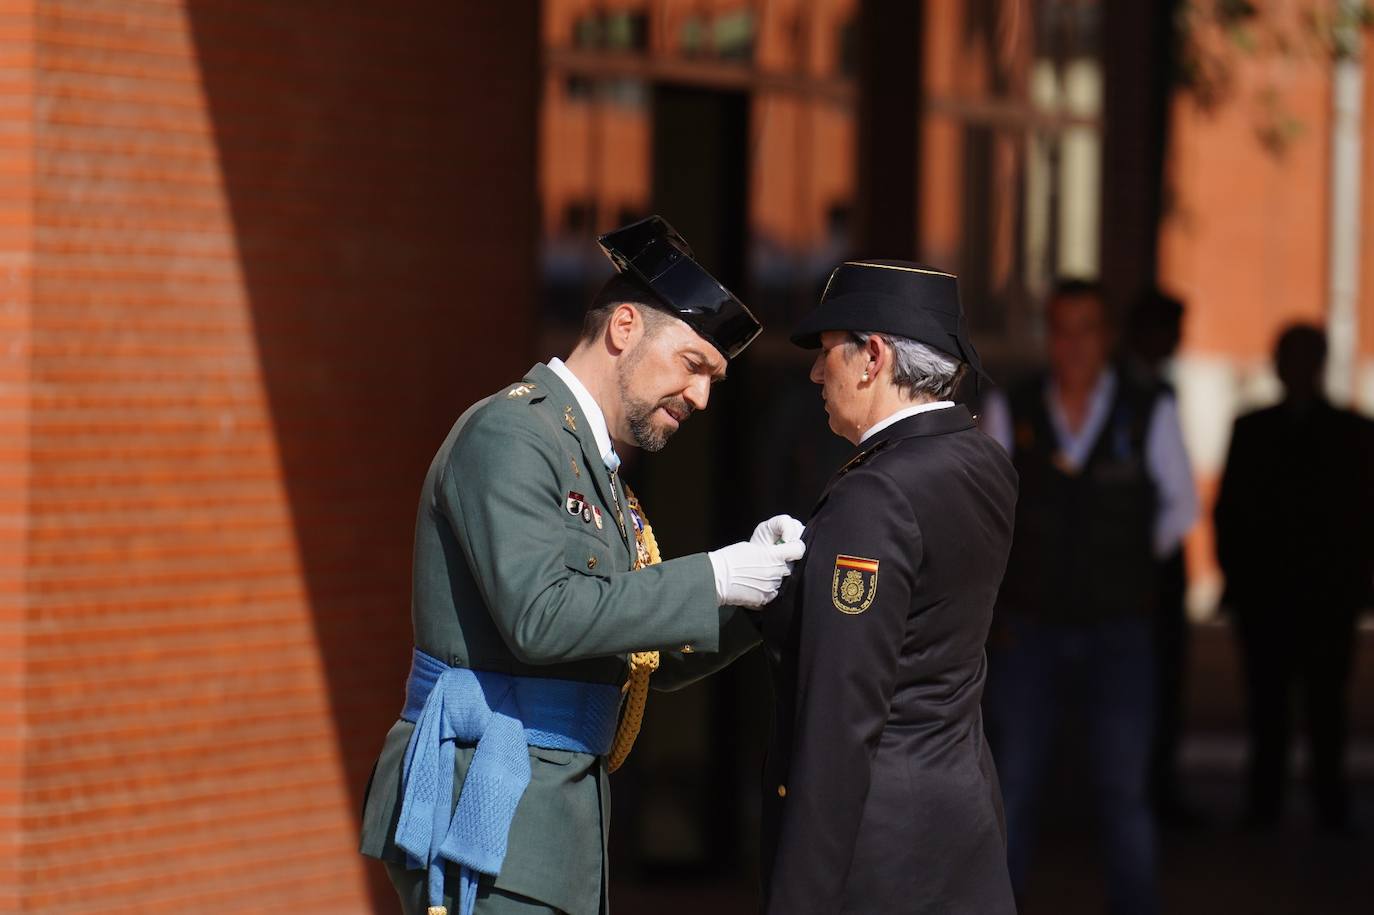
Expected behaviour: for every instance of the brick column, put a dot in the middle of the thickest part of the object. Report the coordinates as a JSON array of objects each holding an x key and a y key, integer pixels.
[{"x": 257, "y": 256}]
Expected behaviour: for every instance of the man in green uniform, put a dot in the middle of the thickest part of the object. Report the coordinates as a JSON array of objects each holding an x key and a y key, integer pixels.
[{"x": 532, "y": 583}]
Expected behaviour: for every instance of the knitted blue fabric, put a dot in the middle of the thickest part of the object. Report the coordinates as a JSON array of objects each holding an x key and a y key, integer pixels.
[{"x": 502, "y": 716}]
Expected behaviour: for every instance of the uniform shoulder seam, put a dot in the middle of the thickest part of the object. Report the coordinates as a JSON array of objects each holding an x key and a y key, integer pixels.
[{"x": 871, "y": 468}]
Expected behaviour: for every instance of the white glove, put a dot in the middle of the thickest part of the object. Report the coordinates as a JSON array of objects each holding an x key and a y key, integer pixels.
[
  {"x": 778, "y": 529},
  {"x": 751, "y": 574}
]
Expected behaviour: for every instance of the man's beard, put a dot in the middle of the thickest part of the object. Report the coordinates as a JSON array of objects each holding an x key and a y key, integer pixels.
[{"x": 639, "y": 414}]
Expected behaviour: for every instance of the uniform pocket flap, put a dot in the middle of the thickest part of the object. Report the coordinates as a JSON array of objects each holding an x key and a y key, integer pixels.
[{"x": 588, "y": 555}]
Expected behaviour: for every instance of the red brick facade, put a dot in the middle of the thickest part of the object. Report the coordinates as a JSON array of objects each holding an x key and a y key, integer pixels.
[{"x": 243, "y": 247}]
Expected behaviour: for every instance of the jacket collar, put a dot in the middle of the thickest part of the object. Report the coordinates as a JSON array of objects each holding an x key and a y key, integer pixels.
[
  {"x": 560, "y": 400},
  {"x": 562, "y": 404},
  {"x": 933, "y": 422},
  {"x": 596, "y": 418}
]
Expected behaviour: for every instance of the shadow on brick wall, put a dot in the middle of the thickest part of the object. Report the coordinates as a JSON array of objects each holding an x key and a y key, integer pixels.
[{"x": 379, "y": 166}]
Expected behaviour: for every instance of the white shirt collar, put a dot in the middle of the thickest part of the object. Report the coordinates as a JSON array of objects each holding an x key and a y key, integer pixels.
[
  {"x": 903, "y": 414},
  {"x": 591, "y": 410}
]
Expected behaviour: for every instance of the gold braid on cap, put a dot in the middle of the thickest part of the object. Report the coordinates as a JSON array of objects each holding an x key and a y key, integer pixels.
[{"x": 642, "y": 663}]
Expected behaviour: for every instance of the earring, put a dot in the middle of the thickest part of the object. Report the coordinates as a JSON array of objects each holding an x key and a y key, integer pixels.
[{"x": 865, "y": 376}]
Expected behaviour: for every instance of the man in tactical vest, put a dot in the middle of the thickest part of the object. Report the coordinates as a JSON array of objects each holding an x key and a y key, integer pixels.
[
  {"x": 1106, "y": 490},
  {"x": 535, "y": 576}
]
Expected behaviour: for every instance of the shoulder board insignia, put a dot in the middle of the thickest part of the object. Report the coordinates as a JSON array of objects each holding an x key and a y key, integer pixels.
[
  {"x": 862, "y": 456},
  {"x": 521, "y": 390}
]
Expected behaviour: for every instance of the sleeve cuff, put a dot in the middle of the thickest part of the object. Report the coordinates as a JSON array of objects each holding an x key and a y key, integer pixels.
[{"x": 721, "y": 575}]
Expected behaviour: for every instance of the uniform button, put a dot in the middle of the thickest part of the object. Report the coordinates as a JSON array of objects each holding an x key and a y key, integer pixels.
[
  {"x": 782, "y": 791},
  {"x": 591, "y": 562},
  {"x": 687, "y": 649}
]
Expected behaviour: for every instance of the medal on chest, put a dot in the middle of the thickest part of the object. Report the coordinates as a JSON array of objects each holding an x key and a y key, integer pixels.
[{"x": 643, "y": 555}]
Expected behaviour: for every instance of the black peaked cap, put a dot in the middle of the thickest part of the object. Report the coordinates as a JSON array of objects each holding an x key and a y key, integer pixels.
[
  {"x": 655, "y": 254},
  {"x": 892, "y": 297}
]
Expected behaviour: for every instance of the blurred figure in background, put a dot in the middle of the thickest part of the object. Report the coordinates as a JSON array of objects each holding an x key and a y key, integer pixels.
[
  {"x": 1295, "y": 538},
  {"x": 1106, "y": 492},
  {"x": 1153, "y": 333}
]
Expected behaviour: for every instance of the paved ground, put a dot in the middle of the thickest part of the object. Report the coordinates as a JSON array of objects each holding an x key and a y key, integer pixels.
[
  {"x": 1218, "y": 870},
  {"x": 1223, "y": 869}
]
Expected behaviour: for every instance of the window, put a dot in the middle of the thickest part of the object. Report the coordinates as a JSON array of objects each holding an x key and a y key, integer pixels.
[{"x": 1011, "y": 156}]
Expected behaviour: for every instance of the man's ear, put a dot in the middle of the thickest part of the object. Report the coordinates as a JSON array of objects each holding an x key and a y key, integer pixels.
[{"x": 624, "y": 327}]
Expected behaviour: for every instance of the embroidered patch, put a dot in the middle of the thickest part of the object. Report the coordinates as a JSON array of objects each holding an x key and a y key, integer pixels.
[
  {"x": 569, "y": 418},
  {"x": 855, "y": 583}
]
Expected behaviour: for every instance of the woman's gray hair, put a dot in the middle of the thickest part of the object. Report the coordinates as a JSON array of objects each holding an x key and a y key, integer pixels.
[{"x": 918, "y": 369}]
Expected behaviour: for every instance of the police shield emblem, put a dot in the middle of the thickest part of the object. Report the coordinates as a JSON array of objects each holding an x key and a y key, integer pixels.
[{"x": 855, "y": 583}]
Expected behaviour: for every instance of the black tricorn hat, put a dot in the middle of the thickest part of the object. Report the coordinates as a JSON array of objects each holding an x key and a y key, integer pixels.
[
  {"x": 653, "y": 253},
  {"x": 892, "y": 297}
]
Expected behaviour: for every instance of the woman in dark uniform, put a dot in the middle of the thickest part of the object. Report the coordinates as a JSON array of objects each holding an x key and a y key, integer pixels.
[{"x": 881, "y": 796}]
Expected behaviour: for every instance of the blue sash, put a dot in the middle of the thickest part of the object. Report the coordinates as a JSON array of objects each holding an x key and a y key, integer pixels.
[{"x": 503, "y": 715}]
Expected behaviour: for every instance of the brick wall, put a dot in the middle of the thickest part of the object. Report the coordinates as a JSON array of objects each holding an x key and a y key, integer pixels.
[
  {"x": 16, "y": 262},
  {"x": 244, "y": 248}
]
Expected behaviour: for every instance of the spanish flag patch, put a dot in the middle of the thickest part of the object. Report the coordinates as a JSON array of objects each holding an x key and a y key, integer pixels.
[{"x": 855, "y": 583}]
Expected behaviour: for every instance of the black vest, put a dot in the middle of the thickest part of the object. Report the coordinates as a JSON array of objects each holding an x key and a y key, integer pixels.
[{"x": 1084, "y": 544}]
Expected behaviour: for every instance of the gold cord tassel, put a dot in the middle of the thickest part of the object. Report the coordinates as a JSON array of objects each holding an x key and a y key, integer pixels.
[{"x": 642, "y": 663}]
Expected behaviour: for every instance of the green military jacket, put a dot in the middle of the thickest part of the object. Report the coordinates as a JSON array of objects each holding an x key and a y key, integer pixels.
[{"x": 506, "y": 579}]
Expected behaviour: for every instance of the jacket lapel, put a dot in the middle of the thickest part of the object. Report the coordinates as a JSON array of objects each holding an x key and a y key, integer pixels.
[{"x": 560, "y": 402}]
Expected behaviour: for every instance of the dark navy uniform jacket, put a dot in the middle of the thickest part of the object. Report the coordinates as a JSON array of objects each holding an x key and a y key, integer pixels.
[{"x": 880, "y": 794}]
